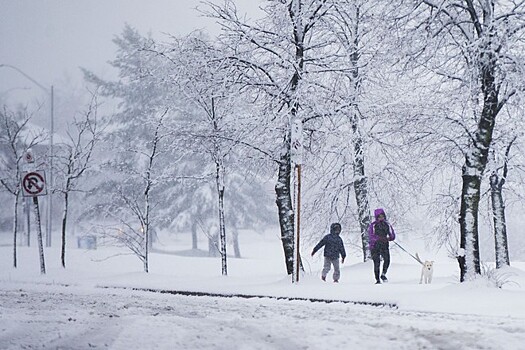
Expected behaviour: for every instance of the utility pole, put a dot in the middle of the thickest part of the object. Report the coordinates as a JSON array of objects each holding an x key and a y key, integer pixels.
[{"x": 51, "y": 156}]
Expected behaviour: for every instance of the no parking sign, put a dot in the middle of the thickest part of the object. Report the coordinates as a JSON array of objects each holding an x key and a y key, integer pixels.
[{"x": 34, "y": 183}]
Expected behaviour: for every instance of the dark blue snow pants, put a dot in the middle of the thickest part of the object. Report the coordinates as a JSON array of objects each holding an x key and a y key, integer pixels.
[{"x": 380, "y": 250}]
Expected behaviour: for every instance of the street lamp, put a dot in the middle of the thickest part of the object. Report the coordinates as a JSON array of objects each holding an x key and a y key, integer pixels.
[{"x": 51, "y": 154}]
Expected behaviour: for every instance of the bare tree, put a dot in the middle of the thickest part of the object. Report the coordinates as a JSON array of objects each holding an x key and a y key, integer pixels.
[
  {"x": 74, "y": 159},
  {"x": 353, "y": 32},
  {"x": 271, "y": 59},
  {"x": 498, "y": 211},
  {"x": 478, "y": 47},
  {"x": 18, "y": 140},
  {"x": 143, "y": 96},
  {"x": 144, "y": 212},
  {"x": 201, "y": 79},
  {"x": 134, "y": 209}
]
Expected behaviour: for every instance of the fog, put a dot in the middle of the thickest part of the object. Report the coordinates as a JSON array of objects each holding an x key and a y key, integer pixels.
[
  {"x": 48, "y": 40},
  {"x": 43, "y": 43}
]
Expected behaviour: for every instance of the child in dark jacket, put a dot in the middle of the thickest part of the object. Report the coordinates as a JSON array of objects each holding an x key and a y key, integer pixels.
[
  {"x": 380, "y": 232},
  {"x": 333, "y": 247}
]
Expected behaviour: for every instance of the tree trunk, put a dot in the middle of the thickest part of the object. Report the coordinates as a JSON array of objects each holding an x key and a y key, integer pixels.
[
  {"x": 360, "y": 180},
  {"x": 500, "y": 225},
  {"x": 361, "y": 197},
  {"x": 222, "y": 226},
  {"x": 146, "y": 248},
  {"x": 15, "y": 231},
  {"x": 147, "y": 207},
  {"x": 283, "y": 188},
  {"x": 219, "y": 179},
  {"x": 146, "y": 228},
  {"x": 476, "y": 159},
  {"x": 284, "y": 205},
  {"x": 213, "y": 243},
  {"x": 468, "y": 221},
  {"x": 39, "y": 235},
  {"x": 236, "y": 247},
  {"x": 152, "y": 237},
  {"x": 146, "y": 243},
  {"x": 475, "y": 164},
  {"x": 64, "y": 223},
  {"x": 146, "y": 264},
  {"x": 194, "y": 242}
]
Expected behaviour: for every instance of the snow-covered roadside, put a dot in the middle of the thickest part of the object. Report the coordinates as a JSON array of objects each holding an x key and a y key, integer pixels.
[
  {"x": 259, "y": 273},
  {"x": 66, "y": 308},
  {"x": 58, "y": 317}
]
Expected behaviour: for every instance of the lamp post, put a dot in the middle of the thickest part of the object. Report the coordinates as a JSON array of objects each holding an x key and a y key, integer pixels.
[{"x": 51, "y": 155}]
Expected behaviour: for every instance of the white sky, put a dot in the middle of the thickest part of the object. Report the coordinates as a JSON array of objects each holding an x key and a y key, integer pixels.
[{"x": 50, "y": 39}]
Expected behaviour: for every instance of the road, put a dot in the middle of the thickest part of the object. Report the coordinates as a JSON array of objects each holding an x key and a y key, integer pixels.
[{"x": 61, "y": 317}]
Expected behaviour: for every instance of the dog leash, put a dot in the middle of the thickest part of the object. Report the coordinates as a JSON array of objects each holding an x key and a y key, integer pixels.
[{"x": 416, "y": 259}]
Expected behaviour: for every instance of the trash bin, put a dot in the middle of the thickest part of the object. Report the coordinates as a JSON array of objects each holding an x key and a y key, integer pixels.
[{"x": 87, "y": 242}]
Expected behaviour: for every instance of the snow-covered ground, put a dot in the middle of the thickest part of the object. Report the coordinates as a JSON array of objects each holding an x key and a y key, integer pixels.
[{"x": 69, "y": 309}]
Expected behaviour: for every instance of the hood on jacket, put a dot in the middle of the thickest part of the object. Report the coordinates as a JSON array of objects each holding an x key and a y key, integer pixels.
[
  {"x": 335, "y": 228},
  {"x": 378, "y": 212}
]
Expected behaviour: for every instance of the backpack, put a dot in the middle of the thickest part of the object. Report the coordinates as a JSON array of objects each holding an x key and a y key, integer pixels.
[{"x": 382, "y": 229}]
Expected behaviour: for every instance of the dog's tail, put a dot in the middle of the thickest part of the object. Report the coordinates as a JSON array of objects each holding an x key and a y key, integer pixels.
[{"x": 419, "y": 259}]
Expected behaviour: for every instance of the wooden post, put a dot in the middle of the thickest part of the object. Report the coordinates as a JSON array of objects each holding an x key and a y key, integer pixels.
[
  {"x": 298, "y": 255},
  {"x": 296, "y": 157}
]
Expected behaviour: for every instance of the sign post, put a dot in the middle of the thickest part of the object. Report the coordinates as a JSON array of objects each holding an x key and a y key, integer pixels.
[
  {"x": 296, "y": 156},
  {"x": 29, "y": 159},
  {"x": 34, "y": 185}
]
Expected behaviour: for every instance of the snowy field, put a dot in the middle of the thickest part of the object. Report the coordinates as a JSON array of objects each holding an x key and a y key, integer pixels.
[{"x": 91, "y": 304}]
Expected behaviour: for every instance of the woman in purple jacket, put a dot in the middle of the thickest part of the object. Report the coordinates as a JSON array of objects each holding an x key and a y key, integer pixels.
[{"x": 380, "y": 232}]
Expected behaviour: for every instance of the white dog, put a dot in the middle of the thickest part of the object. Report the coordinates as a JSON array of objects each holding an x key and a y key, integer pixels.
[{"x": 426, "y": 271}]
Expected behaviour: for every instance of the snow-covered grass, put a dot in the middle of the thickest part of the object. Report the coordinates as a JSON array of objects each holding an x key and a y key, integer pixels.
[{"x": 440, "y": 308}]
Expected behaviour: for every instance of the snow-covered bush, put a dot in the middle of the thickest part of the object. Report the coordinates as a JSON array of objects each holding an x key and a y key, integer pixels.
[{"x": 496, "y": 278}]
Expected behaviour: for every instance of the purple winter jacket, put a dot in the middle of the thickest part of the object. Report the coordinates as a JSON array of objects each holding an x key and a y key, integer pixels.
[{"x": 372, "y": 237}]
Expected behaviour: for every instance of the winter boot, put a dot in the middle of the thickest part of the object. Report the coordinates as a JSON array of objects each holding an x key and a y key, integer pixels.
[{"x": 383, "y": 278}]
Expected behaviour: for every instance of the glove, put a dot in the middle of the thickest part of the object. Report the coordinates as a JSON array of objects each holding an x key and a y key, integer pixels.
[
  {"x": 312, "y": 253},
  {"x": 342, "y": 260}
]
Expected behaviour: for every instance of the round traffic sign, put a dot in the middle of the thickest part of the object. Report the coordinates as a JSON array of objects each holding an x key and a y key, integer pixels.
[{"x": 33, "y": 183}]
